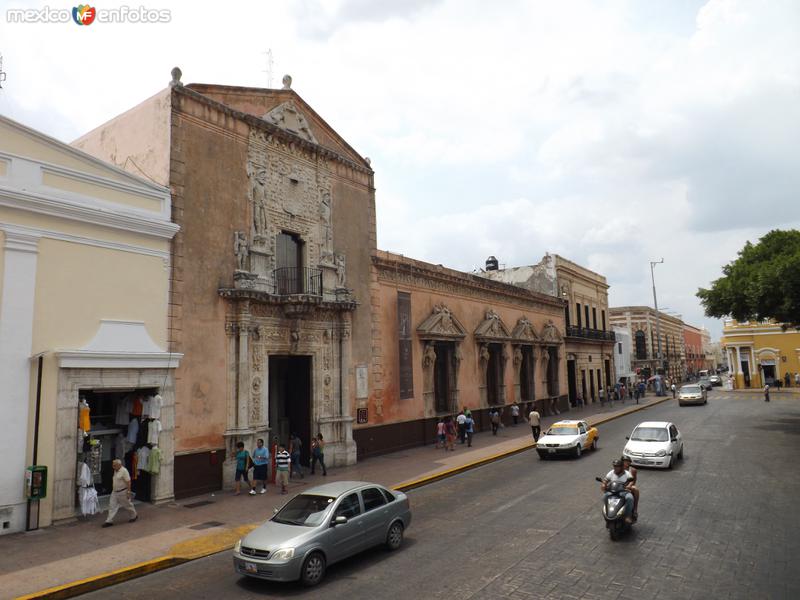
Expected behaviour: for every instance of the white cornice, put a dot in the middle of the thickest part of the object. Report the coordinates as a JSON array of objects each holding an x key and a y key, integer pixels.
[
  {"x": 20, "y": 239},
  {"x": 81, "y": 359},
  {"x": 35, "y": 232},
  {"x": 159, "y": 195},
  {"x": 59, "y": 207}
]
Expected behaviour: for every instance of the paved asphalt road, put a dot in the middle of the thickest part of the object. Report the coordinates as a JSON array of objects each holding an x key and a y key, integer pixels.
[{"x": 723, "y": 523}]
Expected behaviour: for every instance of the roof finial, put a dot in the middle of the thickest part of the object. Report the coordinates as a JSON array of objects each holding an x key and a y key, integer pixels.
[
  {"x": 176, "y": 77},
  {"x": 287, "y": 82}
]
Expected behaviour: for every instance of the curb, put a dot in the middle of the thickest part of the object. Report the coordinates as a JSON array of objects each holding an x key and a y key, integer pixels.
[{"x": 97, "y": 582}]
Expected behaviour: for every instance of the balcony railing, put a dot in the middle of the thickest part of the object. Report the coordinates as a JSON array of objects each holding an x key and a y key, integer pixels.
[
  {"x": 291, "y": 281},
  {"x": 590, "y": 334}
]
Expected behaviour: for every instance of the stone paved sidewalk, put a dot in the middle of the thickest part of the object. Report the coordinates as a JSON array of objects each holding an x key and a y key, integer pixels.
[{"x": 196, "y": 526}]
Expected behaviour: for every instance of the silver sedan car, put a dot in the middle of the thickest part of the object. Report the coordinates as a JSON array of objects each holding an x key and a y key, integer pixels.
[
  {"x": 321, "y": 526},
  {"x": 692, "y": 394}
]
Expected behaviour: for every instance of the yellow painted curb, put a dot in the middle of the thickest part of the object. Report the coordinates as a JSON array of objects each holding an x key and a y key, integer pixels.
[{"x": 214, "y": 543}]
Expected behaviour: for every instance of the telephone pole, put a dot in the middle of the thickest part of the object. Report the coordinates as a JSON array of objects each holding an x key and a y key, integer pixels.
[{"x": 655, "y": 304}]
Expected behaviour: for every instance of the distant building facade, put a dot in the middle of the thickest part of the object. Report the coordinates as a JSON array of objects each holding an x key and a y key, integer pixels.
[
  {"x": 589, "y": 340},
  {"x": 761, "y": 353},
  {"x": 623, "y": 350},
  {"x": 695, "y": 357},
  {"x": 640, "y": 322}
]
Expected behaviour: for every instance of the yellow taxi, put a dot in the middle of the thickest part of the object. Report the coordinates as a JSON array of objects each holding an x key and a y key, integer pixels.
[{"x": 567, "y": 437}]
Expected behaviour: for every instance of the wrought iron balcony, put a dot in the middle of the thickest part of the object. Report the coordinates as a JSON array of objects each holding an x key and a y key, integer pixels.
[
  {"x": 293, "y": 281},
  {"x": 590, "y": 334}
]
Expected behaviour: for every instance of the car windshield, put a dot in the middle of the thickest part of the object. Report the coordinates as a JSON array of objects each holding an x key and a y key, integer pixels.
[
  {"x": 563, "y": 431},
  {"x": 306, "y": 509},
  {"x": 691, "y": 389},
  {"x": 650, "y": 434}
]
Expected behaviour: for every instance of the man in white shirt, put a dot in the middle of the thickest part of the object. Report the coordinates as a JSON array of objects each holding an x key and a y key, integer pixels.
[
  {"x": 461, "y": 421},
  {"x": 120, "y": 494},
  {"x": 535, "y": 421},
  {"x": 618, "y": 473}
]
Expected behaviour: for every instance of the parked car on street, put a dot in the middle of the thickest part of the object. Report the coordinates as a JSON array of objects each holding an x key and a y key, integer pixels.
[
  {"x": 567, "y": 437},
  {"x": 654, "y": 444},
  {"x": 692, "y": 394},
  {"x": 321, "y": 526}
]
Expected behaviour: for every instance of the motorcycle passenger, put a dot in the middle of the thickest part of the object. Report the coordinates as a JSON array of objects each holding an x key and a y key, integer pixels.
[
  {"x": 618, "y": 473},
  {"x": 626, "y": 463}
]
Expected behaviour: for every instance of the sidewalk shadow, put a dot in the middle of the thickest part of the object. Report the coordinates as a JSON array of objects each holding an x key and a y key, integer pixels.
[{"x": 347, "y": 569}]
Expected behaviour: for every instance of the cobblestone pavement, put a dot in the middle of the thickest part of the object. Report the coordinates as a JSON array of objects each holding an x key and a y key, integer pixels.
[{"x": 722, "y": 524}]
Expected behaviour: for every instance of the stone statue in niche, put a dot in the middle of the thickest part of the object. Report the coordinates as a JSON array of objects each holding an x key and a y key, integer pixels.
[
  {"x": 517, "y": 356},
  {"x": 428, "y": 356},
  {"x": 257, "y": 174},
  {"x": 340, "y": 271},
  {"x": 326, "y": 236},
  {"x": 484, "y": 354},
  {"x": 241, "y": 250}
]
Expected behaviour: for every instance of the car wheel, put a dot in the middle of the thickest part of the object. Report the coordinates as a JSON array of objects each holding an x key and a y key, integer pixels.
[
  {"x": 313, "y": 569},
  {"x": 542, "y": 456},
  {"x": 680, "y": 454},
  {"x": 613, "y": 534},
  {"x": 669, "y": 464},
  {"x": 578, "y": 450},
  {"x": 395, "y": 536},
  {"x": 594, "y": 444}
]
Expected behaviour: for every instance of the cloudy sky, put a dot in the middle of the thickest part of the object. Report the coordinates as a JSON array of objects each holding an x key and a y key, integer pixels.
[{"x": 611, "y": 132}]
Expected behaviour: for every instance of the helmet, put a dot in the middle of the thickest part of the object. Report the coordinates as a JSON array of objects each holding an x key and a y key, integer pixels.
[
  {"x": 616, "y": 463},
  {"x": 624, "y": 458}
]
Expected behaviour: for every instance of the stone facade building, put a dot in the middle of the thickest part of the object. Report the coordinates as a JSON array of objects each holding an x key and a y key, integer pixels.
[
  {"x": 277, "y": 217},
  {"x": 693, "y": 350},
  {"x": 449, "y": 340},
  {"x": 640, "y": 322},
  {"x": 761, "y": 353},
  {"x": 589, "y": 340}
]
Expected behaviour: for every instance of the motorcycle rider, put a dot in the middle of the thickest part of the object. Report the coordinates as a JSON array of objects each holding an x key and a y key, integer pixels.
[
  {"x": 618, "y": 473},
  {"x": 626, "y": 463}
]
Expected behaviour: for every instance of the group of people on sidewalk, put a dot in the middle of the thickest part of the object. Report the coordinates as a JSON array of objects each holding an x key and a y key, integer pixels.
[
  {"x": 287, "y": 463},
  {"x": 462, "y": 426}
]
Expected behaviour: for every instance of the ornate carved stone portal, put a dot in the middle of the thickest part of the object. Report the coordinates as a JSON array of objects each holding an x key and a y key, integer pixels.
[{"x": 441, "y": 334}]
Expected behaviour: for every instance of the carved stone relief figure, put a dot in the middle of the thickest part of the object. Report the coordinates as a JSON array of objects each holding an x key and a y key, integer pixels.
[
  {"x": 340, "y": 271},
  {"x": 325, "y": 228},
  {"x": 483, "y": 355},
  {"x": 240, "y": 249},
  {"x": 428, "y": 356},
  {"x": 257, "y": 174},
  {"x": 517, "y": 356}
]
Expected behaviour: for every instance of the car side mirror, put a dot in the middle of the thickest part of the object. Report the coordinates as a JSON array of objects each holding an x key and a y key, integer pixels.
[
  {"x": 627, "y": 437},
  {"x": 340, "y": 520},
  {"x": 274, "y": 511}
]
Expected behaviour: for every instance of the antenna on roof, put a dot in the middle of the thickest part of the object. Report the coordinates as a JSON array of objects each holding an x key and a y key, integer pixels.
[{"x": 270, "y": 66}]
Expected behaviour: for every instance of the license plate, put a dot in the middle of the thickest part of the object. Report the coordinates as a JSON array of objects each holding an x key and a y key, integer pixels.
[
  {"x": 551, "y": 450},
  {"x": 251, "y": 567}
]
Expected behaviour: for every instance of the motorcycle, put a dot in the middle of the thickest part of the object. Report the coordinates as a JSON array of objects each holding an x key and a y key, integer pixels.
[{"x": 614, "y": 509}]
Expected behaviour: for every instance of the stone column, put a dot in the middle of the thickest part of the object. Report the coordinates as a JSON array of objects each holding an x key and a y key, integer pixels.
[
  {"x": 243, "y": 380},
  {"x": 16, "y": 329}
]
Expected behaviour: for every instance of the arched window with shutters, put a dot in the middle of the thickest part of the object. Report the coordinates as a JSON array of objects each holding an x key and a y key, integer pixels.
[{"x": 641, "y": 346}]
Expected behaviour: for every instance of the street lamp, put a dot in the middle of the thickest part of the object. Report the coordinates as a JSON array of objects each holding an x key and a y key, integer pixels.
[{"x": 655, "y": 304}]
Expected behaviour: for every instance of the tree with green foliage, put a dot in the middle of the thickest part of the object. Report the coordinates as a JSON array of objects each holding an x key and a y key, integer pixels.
[{"x": 763, "y": 283}]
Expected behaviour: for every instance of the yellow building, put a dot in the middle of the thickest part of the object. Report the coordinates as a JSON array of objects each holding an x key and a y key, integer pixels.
[
  {"x": 84, "y": 264},
  {"x": 761, "y": 353}
]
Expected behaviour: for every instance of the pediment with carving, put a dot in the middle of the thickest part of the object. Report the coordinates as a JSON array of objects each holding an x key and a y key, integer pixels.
[
  {"x": 492, "y": 328},
  {"x": 288, "y": 117},
  {"x": 551, "y": 334},
  {"x": 441, "y": 324},
  {"x": 524, "y": 332}
]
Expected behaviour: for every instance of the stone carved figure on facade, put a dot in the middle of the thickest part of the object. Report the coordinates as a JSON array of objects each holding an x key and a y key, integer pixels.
[
  {"x": 428, "y": 356},
  {"x": 241, "y": 250},
  {"x": 326, "y": 233},
  {"x": 257, "y": 175},
  {"x": 341, "y": 275},
  {"x": 517, "y": 356},
  {"x": 550, "y": 333},
  {"x": 484, "y": 355},
  {"x": 446, "y": 324}
]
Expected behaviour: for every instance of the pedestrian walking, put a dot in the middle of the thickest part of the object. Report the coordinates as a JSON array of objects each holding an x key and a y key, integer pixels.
[
  {"x": 295, "y": 450},
  {"x": 120, "y": 494},
  {"x": 674, "y": 389},
  {"x": 469, "y": 426},
  {"x": 243, "y": 464},
  {"x": 579, "y": 401},
  {"x": 461, "y": 420},
  {"x": 515, "y": 413},
  {"x": 318, "y": 454},
  {"x": 260, "y": 465},
  {"x": 787, "y": 379},
  {"x": 450, "y": 433},
  {"x": 440, "y": 434},
  {"x": 536, "y": 422},
  {"x": 494, "y": 417},
  {"x": 766, "y": 393},
  {"x": 797, "y": 379},
  {"x": 602, "y": 394},
  {"x": 282, "y": 461}
]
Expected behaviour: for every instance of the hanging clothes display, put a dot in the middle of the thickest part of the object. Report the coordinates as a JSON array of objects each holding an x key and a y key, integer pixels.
[
  {"x": 123, "y": 416},
  {"x": 156, "y": 402},
  {"x": 142, "y": 458},
  {"x": 133, "y": 430},
  {"x": 154, "y": 462},
  {"x": 136, "y": 406},
  {"x": 153, "y": 429},
  {"x": 87, "y": 495},
  {"x": 94, "y": 459},
  {"x": 83, "y": 415}
]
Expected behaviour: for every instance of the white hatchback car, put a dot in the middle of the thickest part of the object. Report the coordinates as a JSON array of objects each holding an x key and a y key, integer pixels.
[{"x": 654, "y": 444}]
